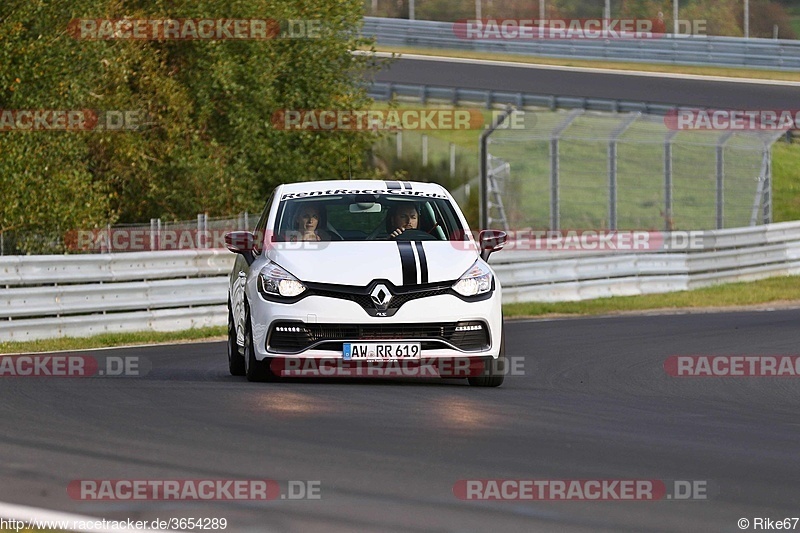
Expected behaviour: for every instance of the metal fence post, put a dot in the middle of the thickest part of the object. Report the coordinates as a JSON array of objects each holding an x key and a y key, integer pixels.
[
  {"x": 399, "y": 139},
  {"x": 612, "y": 168},
  {"x": 554, "y": 207},
  {"x": 152, "y": 234},
  {"x": 612, "y": 185},
  {"x": 668, "y": 225},
  {"x": 555, "y": 220},
  {"x": 199, "y": 229},
  {"x": 720, "y": 158},
  {"x": 452, "y": 160},
  {"x": 767, "y": 216},
  {"x": 720, "y": 183}
]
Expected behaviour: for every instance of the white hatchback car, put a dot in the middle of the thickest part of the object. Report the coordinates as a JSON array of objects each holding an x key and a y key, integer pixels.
[{"x": 364, "y": 272}]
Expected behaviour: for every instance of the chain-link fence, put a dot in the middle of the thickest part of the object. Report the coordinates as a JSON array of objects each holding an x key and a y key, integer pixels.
[
  {"x": 431, "y": 158},
  {"x": 584, "y": 169}
]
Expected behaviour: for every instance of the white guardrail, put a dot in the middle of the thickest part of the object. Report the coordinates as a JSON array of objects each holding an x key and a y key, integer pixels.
[
  {"x": 51, "y": 296},
  {"x": 776, "y": 54},
  {"x": 82, "y": 295}
]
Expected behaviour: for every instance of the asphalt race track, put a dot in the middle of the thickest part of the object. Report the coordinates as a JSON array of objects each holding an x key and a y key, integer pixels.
[
  {"x": 594, "y": 403},
  {"x": 617, "y": 86}
]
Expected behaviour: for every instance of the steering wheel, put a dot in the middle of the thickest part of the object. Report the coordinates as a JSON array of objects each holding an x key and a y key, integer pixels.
[{"x": 414, "y": 235}]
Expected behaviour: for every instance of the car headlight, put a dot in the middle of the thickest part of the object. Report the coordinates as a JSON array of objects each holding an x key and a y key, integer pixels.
[
  {"x": 477, "y": 280},
  {"x": 275, "y": 281}
]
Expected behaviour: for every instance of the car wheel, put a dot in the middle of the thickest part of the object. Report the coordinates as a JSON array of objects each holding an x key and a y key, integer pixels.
[
  {"x": 235, "y": 358},
  {"x": 494, "y": 370},
  {"x": 255, "y": 370}
]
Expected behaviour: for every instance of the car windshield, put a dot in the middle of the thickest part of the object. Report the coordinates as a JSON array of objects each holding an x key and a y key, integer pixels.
[{"x": 367, "y": 217}]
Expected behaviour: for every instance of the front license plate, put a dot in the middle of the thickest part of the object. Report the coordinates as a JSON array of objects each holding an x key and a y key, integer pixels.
[{"x": 380, "y": 351}]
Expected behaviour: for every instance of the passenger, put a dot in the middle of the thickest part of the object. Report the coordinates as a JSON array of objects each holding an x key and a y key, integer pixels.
[{"x": 309, "y": 222}]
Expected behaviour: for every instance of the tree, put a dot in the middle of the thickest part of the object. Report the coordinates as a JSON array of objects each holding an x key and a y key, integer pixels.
[{"x": 207, "y": 144}]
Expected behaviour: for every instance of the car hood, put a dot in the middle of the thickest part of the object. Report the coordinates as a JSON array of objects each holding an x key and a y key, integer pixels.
[{"x": 359, "y": 263}]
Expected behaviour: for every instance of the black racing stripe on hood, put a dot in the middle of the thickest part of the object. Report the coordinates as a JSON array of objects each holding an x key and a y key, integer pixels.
[
  {"x": 423, "y": 262},
  {"x": 407, "y": 262}
]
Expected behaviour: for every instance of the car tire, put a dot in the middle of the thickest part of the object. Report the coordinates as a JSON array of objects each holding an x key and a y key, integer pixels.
[
  {"x": 494, "y": 370},
  {"x": 235, "y": 358},
  {"x": 255, "y": 370}
]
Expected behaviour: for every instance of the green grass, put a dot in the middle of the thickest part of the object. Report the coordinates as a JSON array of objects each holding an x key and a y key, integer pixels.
[
  {"x": 786, "y": 181},
  {"x": 772, "y": 290},
  {"x": 794, "y": 18},
  {"x": 795, "y": 23},
  {"x": 112, "y": 339},
  {"x": 616, "y": 65}
]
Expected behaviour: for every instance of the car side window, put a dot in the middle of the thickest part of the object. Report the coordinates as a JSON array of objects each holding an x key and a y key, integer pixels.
[{"x": 260, "y": 231}]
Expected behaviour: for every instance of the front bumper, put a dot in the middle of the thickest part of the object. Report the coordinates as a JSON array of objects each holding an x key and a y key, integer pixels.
[{"x": 328, "y": 322}]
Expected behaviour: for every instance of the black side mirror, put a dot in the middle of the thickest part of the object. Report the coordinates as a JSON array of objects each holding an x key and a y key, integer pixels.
[
  {"x": 491, "y": 240},
  {"x": 240, "y": 242}
]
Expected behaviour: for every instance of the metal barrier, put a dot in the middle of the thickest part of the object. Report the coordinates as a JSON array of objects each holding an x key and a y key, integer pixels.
[
  {"x": 775, "y": 54},
  {"x": 432, "y": 94},
  {"x": 60, "y": 296},
  {"x": 449, "y": 95},
  {"x": 730, "y": 255},
  {"x": 50, "y": 296}
]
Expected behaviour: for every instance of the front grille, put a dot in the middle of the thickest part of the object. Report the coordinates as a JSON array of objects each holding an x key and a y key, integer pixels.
[
  {"x": 361, "y": 295},
  {"x": 294, "y": 337}
]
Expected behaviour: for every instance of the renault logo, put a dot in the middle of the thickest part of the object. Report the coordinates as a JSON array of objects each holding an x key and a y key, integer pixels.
[{"x": 381, "y": 296}]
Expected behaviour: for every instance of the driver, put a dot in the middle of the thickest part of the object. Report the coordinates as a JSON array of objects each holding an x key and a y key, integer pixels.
[{"x": 401, "y": 218}]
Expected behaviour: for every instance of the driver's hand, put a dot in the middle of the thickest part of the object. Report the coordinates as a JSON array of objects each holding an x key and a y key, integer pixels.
[{"x": 396, "y": 232}]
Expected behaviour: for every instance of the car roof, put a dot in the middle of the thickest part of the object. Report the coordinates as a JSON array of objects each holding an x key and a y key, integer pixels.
[{"x": 358, "y": 185}]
